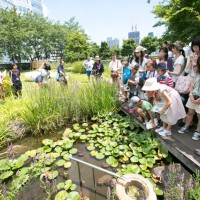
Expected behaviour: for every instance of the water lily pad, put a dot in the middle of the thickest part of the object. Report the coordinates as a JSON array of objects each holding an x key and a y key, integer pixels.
[
  {"x": 68, "y": 131},
  {"x": 134, "y": 159},
  {"x": 143, "y": 161},
  {"x": 58, "y": 149},
  {"x": 143, "y": 167},
  {"x": 47, "y": 149},
  {"x": 73, "y": 187},
  {"x": 60, "y": 186},
  {"x": 73, "y": 196},
  {"x": 112, "y": 161},
  {"x": 158, "y": 191},
  {"x": 60, "y": 163},
  {"x": 82, "y": 130},
  {"x": 4, "y": 165},
  {"x": 16, "y": 164},
  {"x": 47, "y": 142},
  {"x": 77, "y": 135},
  {"x": 67, "y": 165},
  {"x": 46, "y": 169},
  {"x": 100, "y": 156},
  {"x": 85, "y": 124},
  {"x": 59, "y": 143},
  {"x": 53, "y": 175},
  {"x": 23, "y": 157},
  {"x": 67, "y": 156},
  {"x": 6, "y": 175},
  {"x": 68, "y": 184},
  {"x": 94, "y": 153},
  {"x": 31, "y": 153},
  {"x": 135, "y": 169},
  {"x": 62, "y": 195},
  {"x": 90, "y": 147},
  {"x": 83, "y": 137},
  {"x": 129, "y": 154},
  {"x": 68, "y": 145},
  {"x": 73, "y": 150}
]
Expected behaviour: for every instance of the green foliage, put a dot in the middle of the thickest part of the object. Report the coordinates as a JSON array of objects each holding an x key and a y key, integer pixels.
[
  {"x": 128, "y": 47},
  {"x": 77, "y": 67},
  {"x": 151, "y": 43},
  {"x": 177, "y": 16},
  {"x": 104, "y": 51},
  {"x": 94, "y": 49},
  {"x": 77, "y": 47}
]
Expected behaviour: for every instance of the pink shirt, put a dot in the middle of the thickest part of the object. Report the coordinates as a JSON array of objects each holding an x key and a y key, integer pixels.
[{"x": 2, "y": 76}]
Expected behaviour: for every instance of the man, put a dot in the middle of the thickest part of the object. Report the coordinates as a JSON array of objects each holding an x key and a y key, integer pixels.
[
  {"x": 115, "y": 67},
  {"x": 61, "y": 77},
  {"x": 88, "y": 64}
]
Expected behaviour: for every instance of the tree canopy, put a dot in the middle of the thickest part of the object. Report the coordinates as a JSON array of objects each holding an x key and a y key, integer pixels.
[
  {"x": 181, "y": 18},
  {"x": 128, "y": 47}
]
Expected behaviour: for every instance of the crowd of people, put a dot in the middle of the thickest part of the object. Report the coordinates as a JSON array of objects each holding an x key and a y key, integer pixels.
[{"x": 161, "y": 92}]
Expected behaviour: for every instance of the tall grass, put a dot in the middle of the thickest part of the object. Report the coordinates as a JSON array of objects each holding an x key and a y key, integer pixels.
[
  {"x": 46, "y": 109},
  {"x": 77, "y": 67}
]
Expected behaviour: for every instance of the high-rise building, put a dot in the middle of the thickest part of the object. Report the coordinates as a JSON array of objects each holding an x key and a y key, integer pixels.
[
  {"x": 23, "y": 6},
  {"x": 134, "y": 35},
  {"x": 112, "y": 43},
  {"x": 151, "y": 34}
]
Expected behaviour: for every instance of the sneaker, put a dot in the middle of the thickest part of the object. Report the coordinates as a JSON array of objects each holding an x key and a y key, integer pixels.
[
  {"x": 183, "y": 130},
  {"x": 159, "y": 129},
  {"x": 197, "y": 151},
  {"x": 196, "y": 135},
  {"x": 165, "y": 133}
]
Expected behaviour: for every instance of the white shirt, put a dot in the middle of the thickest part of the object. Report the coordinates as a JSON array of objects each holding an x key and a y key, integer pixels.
[
  {"x": 115, "y": 65},
  {"x": 178, "y": 67},
  {"x": 190, "y": 68},
  {"x": 88, "y": 64}
]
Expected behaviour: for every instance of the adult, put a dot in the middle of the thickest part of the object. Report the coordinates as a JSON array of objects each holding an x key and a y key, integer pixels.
[
  {"x": 44, "y": 70},
  {"x": 2, "y": 76},
  {"x": 61, "y": 76},
  {"x": 15, "y": 80},
  {"x": 170, "y": 57},
  {"x": 88, "y": 64},
  {"x": 179, "y": 60},
  {"x": 98, "y": 69},
  {"x": 139, "y": 59},
  {"x": 193, "y": 104},
  {"x": 115, "y": 67},
  {"x": 172, "y": 108},
  {"x": 163, "y": 55},
  {"x": 192, "y": 59}
]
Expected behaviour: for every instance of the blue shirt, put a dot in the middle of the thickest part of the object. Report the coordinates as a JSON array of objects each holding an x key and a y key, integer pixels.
[{"x": 126, "y": 74}]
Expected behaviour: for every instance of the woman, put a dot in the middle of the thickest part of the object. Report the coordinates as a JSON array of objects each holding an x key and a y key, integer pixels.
[
  {"x": 98, "y": 69},
  {"x": 44, "y": 73},
  {"x": 193, "y": 104},
  {"x": 15, "y": 80},
  {"x": 192, "y": 59},
  {"x": 139, "y": 59},
  {"x": 163, "y": 55},
  {"x": 179, "y": 60},
  {"x": 172, "y": 108}
]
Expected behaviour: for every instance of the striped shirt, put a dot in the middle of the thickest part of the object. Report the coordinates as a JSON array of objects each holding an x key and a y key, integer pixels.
[{"x": 165, "y": 79}]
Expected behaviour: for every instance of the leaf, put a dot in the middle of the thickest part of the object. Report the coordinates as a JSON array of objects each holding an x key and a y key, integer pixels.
[
  {"x": 24, "y": 171},
  {"x": 73, "y": 187},
  {"x": 62, "y": 195},
  {"x": 58, "y": 149},
  {"x": 162, "y": 151},
  {"x": 143, "y": 161},
  {"x": 73, "y": 150},
  {"x": 6, "y": 175},
  {"x": 158, "y": 191},
  {"x": 23, "y": 157},
  {"x": 60, "y": 163},
  {"x": 94, "y": 153},
  {"x": 4, "y": 165},
  {"x": 59, "y": 143},
  {"x": 53, "y": 175},
  {"x": 90, "y": 147},
  {"x": 134, "y": 159},
  {"x": 135, "y": 169},
  {"x": 83, "y": 137},
  {"x": 73, "y": 196},
  {"x": 60, "y": 186},
  {"x": 85, "y": 124},
  {"x": 129, "y": 154},
  {"x": 16, "y": 164},
  {"x": 31, "y": 153},
  {"x": 143, "y": 167},
  {"x": 67, "y": 156},
  {"x": 100, "y": 156},
  {"x": 67, "y": 131},
  {"x": 68, "y": 184},
  {"x": 67, "y": 165},
  {"x": 68, "y": 145},
  {"x": 47, "y": 142},
  {"x": 112, "y": 161}
]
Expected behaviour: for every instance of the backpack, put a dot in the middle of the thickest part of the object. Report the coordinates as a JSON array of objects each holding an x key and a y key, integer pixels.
[{"x": 126, "y": 74}]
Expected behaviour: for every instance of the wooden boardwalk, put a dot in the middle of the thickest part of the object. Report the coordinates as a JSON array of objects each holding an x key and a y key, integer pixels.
[{"x": 180, "y": 145}]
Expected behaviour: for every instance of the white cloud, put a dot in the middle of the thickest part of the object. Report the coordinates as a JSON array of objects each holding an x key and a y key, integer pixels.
[{"x": 46, "y": 11}]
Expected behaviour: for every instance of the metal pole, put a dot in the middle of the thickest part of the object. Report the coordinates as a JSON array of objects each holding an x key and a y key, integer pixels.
[{"x": 99, "y": 168}]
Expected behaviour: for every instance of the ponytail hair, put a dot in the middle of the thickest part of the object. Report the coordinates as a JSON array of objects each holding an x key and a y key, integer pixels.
[{"x": 182, "y": 52}]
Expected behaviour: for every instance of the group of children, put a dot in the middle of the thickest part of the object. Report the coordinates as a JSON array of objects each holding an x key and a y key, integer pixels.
[{"x": 150, "y": 86}]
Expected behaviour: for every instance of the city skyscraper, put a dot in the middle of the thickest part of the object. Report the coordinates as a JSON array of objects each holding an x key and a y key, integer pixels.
[
  {"x": 151, "y": 34},
  {"x": 112, "y": 43},
  {"x": 134, "y": 35},
  {"x": 23, "y": 6}
]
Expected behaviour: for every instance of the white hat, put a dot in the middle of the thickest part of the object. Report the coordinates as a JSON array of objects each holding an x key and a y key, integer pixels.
[
  {"x": 135, "y": 99},
  {"x": 151, "y": 84},
  {"x": 97, "y": 58},
  {"x": 138, "y": 49}
]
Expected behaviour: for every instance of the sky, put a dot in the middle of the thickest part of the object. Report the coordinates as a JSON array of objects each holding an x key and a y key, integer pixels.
[{"x": 106, "y": 18}]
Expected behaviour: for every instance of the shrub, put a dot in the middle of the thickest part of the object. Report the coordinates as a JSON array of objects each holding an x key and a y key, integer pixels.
[{"x": 77, "y": 67}]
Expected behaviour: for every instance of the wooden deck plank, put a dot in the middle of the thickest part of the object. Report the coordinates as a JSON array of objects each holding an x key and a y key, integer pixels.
[{"x": 180, "y": 145}]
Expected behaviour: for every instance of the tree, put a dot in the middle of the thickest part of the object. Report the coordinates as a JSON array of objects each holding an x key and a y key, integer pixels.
[
  {"x": 116, "y": 50},
  {"x": 104, "y": 51},
  {"x": 94, "y": 49},
  {"x": 181, "y": 18},
  {"x": 150, "y": 43},
  {"x": 77, "y": 47},
  {"x": 128, "y": 47}
]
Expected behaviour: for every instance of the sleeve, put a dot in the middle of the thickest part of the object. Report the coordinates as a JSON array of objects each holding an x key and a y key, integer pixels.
[
  {"x": 180, "y": 63},
  {"x": 170, "y": 82},
  {"x": 147, "y": 106},
  {"x": 119, "y": 64},
  {"x": 110, "y": 65},
  {"x": 137, "y": 77},
  {"x": 59, "y": 68}
]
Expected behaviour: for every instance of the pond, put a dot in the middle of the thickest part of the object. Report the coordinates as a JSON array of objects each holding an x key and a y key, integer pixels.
[{"x": 47, "y": 172}]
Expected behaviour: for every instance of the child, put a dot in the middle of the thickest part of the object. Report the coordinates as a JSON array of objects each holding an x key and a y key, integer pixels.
[
  {"x": 2, "y": 76},
  {"x": 15, "y": 80},
  {"x": 126, "y": 74},
  {"x": 172, "y": 109},
  {"x": 163, "y": 76},
  {"x": 145, "y": 112}
]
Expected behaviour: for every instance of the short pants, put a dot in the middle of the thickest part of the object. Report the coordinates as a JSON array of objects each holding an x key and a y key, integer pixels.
[{"x": 88, "y": 73}]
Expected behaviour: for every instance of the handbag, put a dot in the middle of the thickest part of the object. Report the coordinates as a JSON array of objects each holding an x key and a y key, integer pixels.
[
  {"x": 183, "y": 84},
  {"x": 114, "y": 74}
]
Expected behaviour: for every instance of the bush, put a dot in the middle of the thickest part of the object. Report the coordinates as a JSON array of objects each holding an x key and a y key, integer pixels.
[{"x": 77, "y": 67}]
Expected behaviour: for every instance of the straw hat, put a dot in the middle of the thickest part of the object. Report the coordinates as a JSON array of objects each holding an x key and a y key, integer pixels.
[
  {"x": 151, "y": 84},
  {"x": 97, "y": 58},
  {"x": 179, "y": 45}
]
